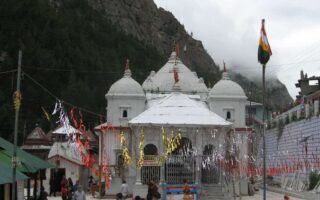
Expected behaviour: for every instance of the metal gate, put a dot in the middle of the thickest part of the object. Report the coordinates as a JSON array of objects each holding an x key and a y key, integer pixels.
[
  {"x": 179, "y": 168},
  {"x": 210, "y": 170},
  {"x": 150, "y": 173}
]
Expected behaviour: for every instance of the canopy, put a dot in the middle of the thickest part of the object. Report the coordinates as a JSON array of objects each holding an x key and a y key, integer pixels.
[
  {"x": 22, "y": 167},
  {"x": 181, "y": 110},
  {"x": 29, "y": 162},
  {"x": 6, "y": 173}
]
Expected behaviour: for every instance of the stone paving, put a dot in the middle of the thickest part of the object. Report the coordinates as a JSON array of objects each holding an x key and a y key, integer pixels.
[
  {"x": 258, "y": 196},
  {"x": 270, "y": 196}
]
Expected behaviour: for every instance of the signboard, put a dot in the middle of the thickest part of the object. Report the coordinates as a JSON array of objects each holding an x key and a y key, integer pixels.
[
  {"x": 175, "y": 192},
  {"x": 180, "y": 197}
]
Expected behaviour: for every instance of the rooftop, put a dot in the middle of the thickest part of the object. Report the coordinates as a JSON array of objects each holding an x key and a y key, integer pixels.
[{"x": 179, "y": 109}]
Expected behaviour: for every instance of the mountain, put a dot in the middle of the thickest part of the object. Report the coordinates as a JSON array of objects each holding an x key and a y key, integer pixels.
[
  {"x": 71, "y": 52},
  {"x": 158, "y": 28},
  {"x": 277, "y": 97},
  {"x": 74, "y": 50}
]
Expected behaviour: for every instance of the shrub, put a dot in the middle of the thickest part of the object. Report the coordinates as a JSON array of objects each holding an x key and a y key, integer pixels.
[{"x": 314, "y": 178}]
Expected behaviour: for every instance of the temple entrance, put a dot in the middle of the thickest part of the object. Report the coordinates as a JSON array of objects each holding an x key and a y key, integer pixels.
[
  {"x": 181, "y": 164},
  {"x": 150, "y": 171},
  {"x": 210, "y": 166}
]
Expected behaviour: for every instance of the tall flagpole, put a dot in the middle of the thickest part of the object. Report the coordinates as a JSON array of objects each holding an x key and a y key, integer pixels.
[
  {"x": 263, "y": 133},
  {"x": 264, "y": 53}
]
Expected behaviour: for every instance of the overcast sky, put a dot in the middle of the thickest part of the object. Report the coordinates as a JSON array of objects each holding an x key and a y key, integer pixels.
[{"x": 230, "y": 30}]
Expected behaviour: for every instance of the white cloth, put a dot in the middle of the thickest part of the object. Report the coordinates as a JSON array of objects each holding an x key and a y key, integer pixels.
[
  {"x": 79, "y": 195},
  {"x": 124, "y": 189}
]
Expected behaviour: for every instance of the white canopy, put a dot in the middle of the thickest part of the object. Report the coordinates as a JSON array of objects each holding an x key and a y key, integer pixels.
[{"x": 179, "y": 109}]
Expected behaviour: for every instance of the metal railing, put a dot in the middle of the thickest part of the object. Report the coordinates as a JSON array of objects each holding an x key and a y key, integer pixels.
[{"x": 179, "y": 168}]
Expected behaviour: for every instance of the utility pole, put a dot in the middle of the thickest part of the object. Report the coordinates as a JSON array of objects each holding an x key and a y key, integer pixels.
[{"x": 16, "y": 120}]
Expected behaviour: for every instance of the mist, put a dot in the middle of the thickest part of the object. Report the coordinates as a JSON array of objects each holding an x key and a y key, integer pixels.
[{"x": 230, "y": 32}]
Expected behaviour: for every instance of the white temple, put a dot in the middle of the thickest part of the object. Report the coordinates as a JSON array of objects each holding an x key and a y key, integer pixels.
[{"x": 173, "y": 100}]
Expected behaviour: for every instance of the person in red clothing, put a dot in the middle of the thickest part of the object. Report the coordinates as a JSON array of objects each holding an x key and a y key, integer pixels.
[
  {"x": 286, "y": 197},
  {"x": 186, "y": 190},
  {"x": 64, "y": 188}
]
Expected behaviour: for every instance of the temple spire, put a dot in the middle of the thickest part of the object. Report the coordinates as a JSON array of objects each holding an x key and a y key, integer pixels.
[
  {"x": 225, "y": 75},
  {"x": 127, "y": 71},
  {"x": 127, "y": 64}
]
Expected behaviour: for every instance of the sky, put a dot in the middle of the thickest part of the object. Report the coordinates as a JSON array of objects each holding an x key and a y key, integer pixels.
[{"x": 230, "y": 30}]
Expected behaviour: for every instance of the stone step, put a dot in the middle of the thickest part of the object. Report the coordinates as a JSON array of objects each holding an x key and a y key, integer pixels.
[{"x": 212, "y": 192}]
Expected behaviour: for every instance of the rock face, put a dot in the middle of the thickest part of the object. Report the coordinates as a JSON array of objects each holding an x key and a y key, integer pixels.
[
  {"x": 159, "y": 28},
  {"x": 277, "y": 95}
]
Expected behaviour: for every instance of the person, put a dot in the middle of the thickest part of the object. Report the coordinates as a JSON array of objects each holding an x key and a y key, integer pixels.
[
  {"x": 64, "y": 188},
  {"x": 153, "y": 193},
  {"x": 137, "y": 197},
  {"x": 90, "y": 182},
  {"x": 251, "y": 187},
  {"x": 119, "y": 196},
  {"x": 43, "y": 194},
  {"x": 186, "y": 190},
  {"x": 93, "y": 187},
  {"x": 52, "y": 187},
  {"x": 79, "y": 194},
  {"x": 75, "y": 186},
  {"x": 70, "y": 188},
  {"x": 124, "y": 189},
  {"x": 286, "y": 197}
]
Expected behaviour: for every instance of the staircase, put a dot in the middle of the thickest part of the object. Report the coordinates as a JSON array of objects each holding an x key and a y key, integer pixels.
[{"x": 212, "y": 192}]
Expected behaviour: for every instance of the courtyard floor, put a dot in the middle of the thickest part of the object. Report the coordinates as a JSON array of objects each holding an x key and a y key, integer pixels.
[{"x": 258, "y": 196}]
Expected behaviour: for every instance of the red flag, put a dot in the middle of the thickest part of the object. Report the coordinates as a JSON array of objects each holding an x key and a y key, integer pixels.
[
  {"x": 177, "y": 50},
  {"x": 176, "y": 76}
]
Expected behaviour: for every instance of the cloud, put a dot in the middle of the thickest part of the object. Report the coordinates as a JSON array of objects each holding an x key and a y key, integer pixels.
[{"x": 230, "y": 31}]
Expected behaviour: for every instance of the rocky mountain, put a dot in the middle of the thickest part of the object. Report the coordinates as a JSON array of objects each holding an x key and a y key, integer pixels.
[
  {"x": 75, "y": 49},
  {"x": 158, "y": 28}
]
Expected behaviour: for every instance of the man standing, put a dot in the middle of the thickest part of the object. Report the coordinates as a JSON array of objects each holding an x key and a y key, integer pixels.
[
  {"x": 79, "y": 194},
  {"x": 124, "y": 189}
]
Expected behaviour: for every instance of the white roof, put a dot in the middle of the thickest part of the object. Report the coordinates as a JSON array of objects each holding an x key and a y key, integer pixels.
[
  {"x": 253, "y": 103},
  {"x": 226, "y": 88},
  {"x": 69, "y": 151},
  {"x": 65, "y": 129},
  {"x": 163, "y": 80},
  {"x": 179, "y": 109},
  {"x": 126, "y": 86}
]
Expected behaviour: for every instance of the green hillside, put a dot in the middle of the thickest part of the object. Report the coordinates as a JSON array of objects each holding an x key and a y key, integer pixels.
[{"x": 70, "y": 49}]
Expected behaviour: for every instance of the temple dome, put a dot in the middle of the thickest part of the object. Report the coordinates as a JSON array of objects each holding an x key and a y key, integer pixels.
[
  {"x": 226, "y": 88},
  {"x": 126, "y": 86}
]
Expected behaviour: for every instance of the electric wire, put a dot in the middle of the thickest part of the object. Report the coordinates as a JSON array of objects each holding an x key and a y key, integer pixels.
[
  {"x": 9, "y": 71},
  {"x": 57, "y": 98}
]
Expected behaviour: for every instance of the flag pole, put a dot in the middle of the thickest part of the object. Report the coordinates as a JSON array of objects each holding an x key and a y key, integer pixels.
[{"x": 263, "y": 133}]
